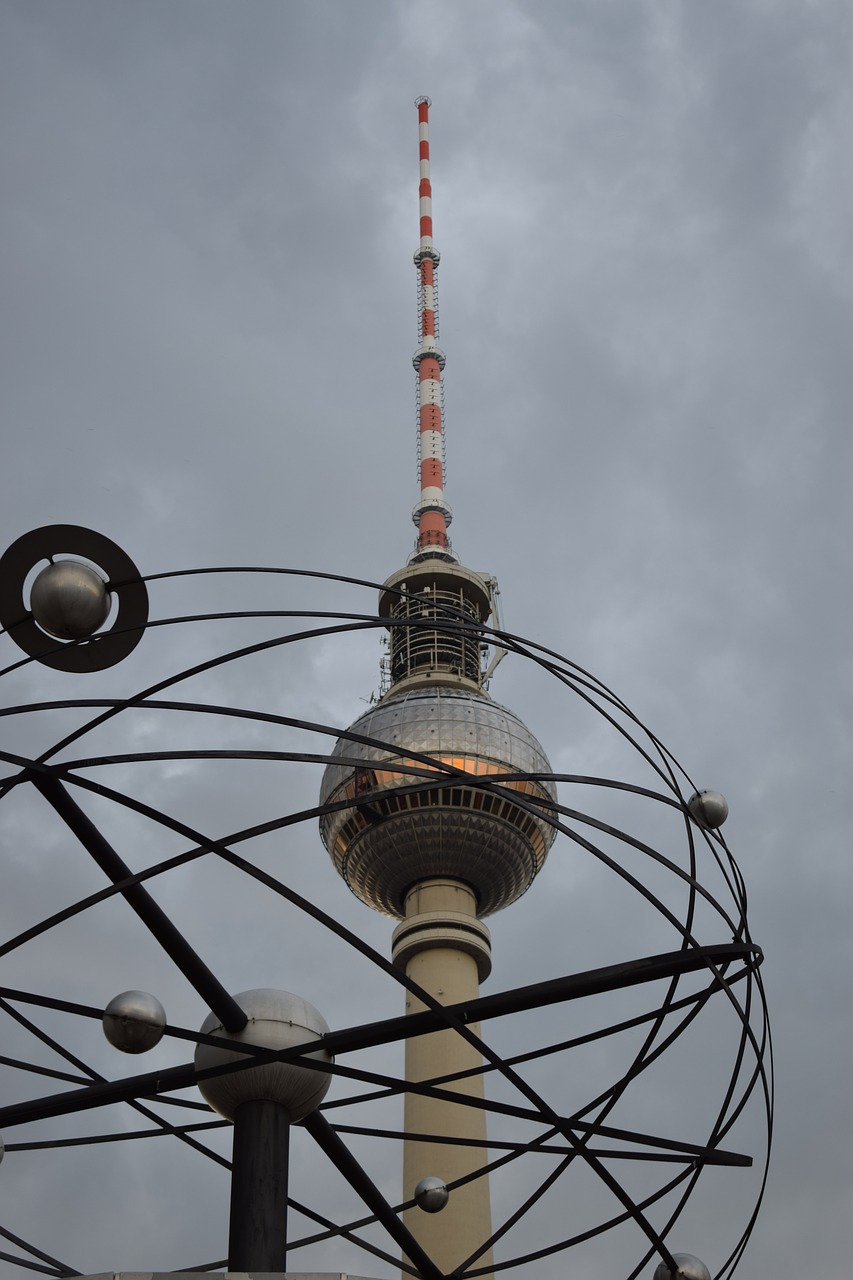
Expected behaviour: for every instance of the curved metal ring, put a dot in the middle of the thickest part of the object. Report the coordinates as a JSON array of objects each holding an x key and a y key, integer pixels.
[{"x": 123, "y": 581}]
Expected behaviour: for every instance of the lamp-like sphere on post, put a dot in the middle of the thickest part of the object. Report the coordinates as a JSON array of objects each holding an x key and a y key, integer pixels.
[{"x": 277, "y": 1020}]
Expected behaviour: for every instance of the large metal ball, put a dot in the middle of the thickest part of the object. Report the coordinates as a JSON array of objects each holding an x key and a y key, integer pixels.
[
  {"x": 431, "y": 1195},
  {"x": 708, "y": 808},
  {"x": 134, "y": 1021},
  {"x": 69, "y": 600},
  {"x": 277, "y": 1020},
  {"x": 689, "y": 1268},
  {"x": 386, "y": 842}
]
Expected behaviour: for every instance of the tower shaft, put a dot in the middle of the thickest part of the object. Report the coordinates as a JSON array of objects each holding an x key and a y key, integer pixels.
[{"x": 445, "y": 949}]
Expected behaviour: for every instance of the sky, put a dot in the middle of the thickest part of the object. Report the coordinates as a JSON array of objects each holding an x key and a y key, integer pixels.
[{"x": 643, "y": 211}]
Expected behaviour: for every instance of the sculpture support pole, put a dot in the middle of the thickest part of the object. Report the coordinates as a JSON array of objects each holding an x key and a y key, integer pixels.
[
  {"x": 445, "y": 949},
  {"x": 258, "y": 1234}
]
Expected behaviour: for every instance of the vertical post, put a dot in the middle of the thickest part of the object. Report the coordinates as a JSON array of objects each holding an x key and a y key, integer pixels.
[
  {"x": 444, "y": 947},
  {"x": 258, "y": 1235}
]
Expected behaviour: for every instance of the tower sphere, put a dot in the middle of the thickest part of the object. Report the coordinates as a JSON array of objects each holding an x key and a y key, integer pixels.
[
  {"x": 69, "y": 600},
  {"x": 387, "y": 841},
  {"x": 689, "y": 1268},
  {"x": 277, "y": 1020}
]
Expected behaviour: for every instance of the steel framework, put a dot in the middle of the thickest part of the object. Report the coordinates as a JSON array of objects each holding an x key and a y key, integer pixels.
[{"x": 712, "y": 964}]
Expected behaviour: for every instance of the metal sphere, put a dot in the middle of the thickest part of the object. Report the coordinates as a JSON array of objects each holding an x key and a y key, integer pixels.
[
  {"x": 431, "y": 1195},
  {"x": 689, "y": 1268},
  {"x": 134, "y": 1021},
  {"x": 708, "y": 808},
  {"x": 386, "y": 842},
  {"x": 69, "y": 600},
  {"x": 277, "y": 1020}
]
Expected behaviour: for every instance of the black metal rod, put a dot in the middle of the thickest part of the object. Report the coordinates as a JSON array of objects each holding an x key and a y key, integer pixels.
[
  {"x": 258, "y": 1234},
  {"x": 574, "y": 986},
  {"x": 108, "y": 1092},
  {"x": 387, "y": 1031},
  {"x": 329, "y": 1142},
  {"x": 220, "y": 1001}
]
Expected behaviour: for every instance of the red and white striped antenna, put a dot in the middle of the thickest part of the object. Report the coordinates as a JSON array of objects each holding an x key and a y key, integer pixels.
[{"x": 432, "y": 515}]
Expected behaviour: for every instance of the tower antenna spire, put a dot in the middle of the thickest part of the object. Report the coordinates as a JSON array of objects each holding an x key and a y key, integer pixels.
[{"x": 432, "y": 515}]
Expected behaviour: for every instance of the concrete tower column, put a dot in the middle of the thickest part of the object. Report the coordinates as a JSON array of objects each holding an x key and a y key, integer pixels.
[{"x": 443, "y": 947}]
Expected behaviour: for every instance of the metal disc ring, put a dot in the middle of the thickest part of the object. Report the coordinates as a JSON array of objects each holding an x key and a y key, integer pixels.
[{"x": 122, "y": 580}]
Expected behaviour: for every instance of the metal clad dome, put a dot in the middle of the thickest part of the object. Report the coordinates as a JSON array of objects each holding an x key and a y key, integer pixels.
[{"x": 387, "y": 842}]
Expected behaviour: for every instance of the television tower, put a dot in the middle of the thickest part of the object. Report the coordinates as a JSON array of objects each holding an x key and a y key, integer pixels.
[{"x": 441, "y": 858}]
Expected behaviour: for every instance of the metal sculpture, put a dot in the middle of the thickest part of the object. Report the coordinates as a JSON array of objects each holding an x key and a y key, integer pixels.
[
  {"x": 712, "y": 964},
  {"x": 438, "y": 807}
]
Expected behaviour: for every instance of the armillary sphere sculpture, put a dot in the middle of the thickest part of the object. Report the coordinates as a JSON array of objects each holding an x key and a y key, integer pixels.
[{"x": 620, "y": 1097}]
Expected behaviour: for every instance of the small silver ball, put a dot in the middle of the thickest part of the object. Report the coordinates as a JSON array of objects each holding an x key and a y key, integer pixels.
[
  {"x": 708, "y": 808},
  {"x": 689, "y": 1268},
  {"x": 134, "y": 1021},
  {"x": 69, "y": 600},
  {"x": 431, "y": 1195},
  {"x": 277, "y": 1020}
]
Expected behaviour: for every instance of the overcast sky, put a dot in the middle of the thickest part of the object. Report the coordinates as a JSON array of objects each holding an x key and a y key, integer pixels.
[{"x": 643, "y": 209}]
